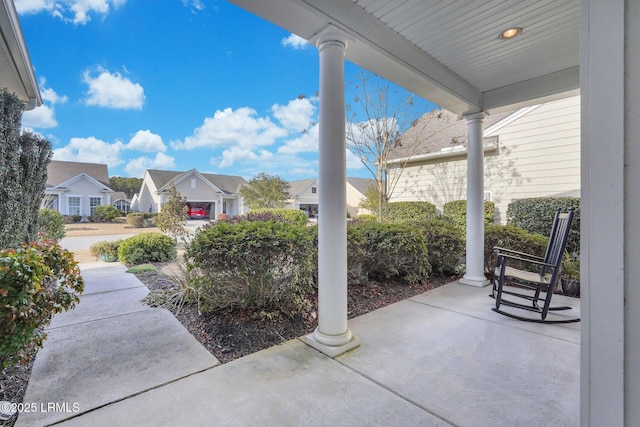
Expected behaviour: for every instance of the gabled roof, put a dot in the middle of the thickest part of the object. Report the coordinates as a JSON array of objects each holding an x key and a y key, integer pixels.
[
  {"x": 297, "y": 187},
  {"x": 438, "y": 130},
  {"x": 119, "y": 195},
  {"x": 59, "y": 172},
  {"x": 228, "y": 184},
  {"x": 361, "y": 184}
]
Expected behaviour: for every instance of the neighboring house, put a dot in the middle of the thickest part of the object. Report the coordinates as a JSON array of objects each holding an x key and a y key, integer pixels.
[
  {"x": 120, "y": 201},
  {"x": 304, "y": 195},
  {"x": 532, "y": 152},
  {"x": 215, "y": 193},
  {"x": 75, "y": 188}
]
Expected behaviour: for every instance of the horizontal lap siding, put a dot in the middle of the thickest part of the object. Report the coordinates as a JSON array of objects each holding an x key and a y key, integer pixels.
[{"x": 539, "y": 155}]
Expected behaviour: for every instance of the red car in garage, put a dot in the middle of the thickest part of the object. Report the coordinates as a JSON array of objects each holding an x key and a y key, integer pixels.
[{"x": 197, "y": 212}]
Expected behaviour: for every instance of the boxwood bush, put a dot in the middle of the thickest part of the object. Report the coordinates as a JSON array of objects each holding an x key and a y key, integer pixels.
[
  {"x": 135, "y": 219},
  {"x": 514, "y": 238},
  {"x": 410, "y": 211},
  {"x": 147, "y": 247},
  {"x": 104, "y": 213},
  {"x": 392, "y": 251},
  {"x": 293, "y": 216},
  {"x": 265, "y": 265},
  {"x": 456, "y": 212},
  {"x": 446, "y": 243},
  {"x": 536, "y": 216}
]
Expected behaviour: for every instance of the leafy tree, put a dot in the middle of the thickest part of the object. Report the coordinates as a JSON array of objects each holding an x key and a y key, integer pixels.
[
  {"x": 371, "y": 198},
  {"x": 23, "y": 174},
  {"x": 51, "y": 225},
  {"x": 379, "y": 116},
  {"x": 129, "y": 186},
  {"x": 266, "y": 191},
  {"x": 174, "y": 214}
]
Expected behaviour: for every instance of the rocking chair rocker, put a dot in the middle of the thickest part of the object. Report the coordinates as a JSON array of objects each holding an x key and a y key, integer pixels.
[{"x": 537, "y": 281}]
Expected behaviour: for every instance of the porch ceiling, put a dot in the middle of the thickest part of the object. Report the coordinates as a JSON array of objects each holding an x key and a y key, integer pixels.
[{"x": 450, "y": 52}]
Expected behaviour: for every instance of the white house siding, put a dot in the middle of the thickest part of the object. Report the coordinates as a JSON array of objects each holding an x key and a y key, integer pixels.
[
  {"x": 354, "y": 197},
  {"x": 85, "y": 190},
  {"x": 538, "y": 155},
  {"x": 148, "y": 199}
]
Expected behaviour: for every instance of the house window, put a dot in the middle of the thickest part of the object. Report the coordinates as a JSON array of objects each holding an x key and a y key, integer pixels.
[
  {"x": 74, "y": 205},
  {"x": 93, "y": 203},
  {"x": 193, "y": 183},
  {"x": 314, "y": 190}
]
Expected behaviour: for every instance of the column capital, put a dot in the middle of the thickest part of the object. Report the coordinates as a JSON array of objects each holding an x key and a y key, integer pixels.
[
  {"x": 475, "y": 116},
  {"x": 331, "y": 33}
]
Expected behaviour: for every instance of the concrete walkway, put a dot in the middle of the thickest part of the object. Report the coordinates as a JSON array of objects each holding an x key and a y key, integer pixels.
[{"x": 442, "y": 358}]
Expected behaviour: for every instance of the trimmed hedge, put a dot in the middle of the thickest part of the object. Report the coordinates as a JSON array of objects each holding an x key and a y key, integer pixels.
[
  {"x": 135, "y": 219},
  {"x": 410, "y": 211},
  {"x": 536, "y": 216},
  {"x": 511, "y": 237},
  {"x": 292, "y": 216},
  {"x": 456, "y": 212},
  {"x": 446, "y": 243},
  {"x": 147, "y": 247},
  {"x": 392, "y": 251},
  {"x": 251, "y": 264}
]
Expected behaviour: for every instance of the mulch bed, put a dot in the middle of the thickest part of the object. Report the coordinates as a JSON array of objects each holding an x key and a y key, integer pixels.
[{"x": 233, "y": 334}]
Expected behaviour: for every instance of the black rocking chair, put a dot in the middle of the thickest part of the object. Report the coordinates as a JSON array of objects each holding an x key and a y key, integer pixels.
[{"x": 534, "y": 287}]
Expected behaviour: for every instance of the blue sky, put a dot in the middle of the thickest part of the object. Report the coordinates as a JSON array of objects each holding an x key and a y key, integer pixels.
[{"x": 174, "y": 84}]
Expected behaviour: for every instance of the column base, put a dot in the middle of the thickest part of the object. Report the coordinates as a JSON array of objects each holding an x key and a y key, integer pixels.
[
  {"x": 331, "y": 345},
  {"x": 478, "y": 281}
]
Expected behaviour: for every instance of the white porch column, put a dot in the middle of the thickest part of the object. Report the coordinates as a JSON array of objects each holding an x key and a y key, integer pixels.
[
  {"x": 475, "y": 202},
  {"x": 332, "y": 336}
]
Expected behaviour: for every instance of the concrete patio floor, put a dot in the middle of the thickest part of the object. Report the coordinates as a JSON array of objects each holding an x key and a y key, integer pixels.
[{"x": 438, "y": 359}]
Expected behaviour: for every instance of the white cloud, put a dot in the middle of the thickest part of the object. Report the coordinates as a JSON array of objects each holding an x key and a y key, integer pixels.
[
  {"x": 77, "y": 11},
  {"x": 137, "y": 167},
  {"x": 240, "y": 128},
  {"x": 296, "y": 115},
  {"x": 145, "y": 140},
  {"x": 40, "y": 117},
  {"x": 237, "y": 153},
  {"x": 294, "y": 41},
  {"x": 306, "y": 143},
  {"x": 90, "y": 150},
  {"x": 353, "y": 161},
  {"x": 112, "y": 90},
  {"x": 195, "y": 5}
]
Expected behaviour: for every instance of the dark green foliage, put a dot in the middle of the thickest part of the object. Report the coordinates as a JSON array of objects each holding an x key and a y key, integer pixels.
[
  {"x": 135, "y": 219},
  {"x": 104, "y": 213},
  {"x": 129, "y": 186},
  {"x": 50, "y": 225},
  {"x": 107, "y": 249},
  {"x": 365, "y": 218},
  {"x": 514, "y": 238},
  {"x": 456, "y": 212},
  {"x": 36, "y": 282},
  {"x": 392, "y": 251},
  {"x": 536, "y": 216},
  {"x": 23, "y": 174},
  {"x": 265, "y": 191},
  {"x": 446, "y": 243},
  {"x": 147, "y": 247},
  {"x": 410, "y": 211},
  {"x": 292, "y": 216},
  {"x": 251, "y": 264}
]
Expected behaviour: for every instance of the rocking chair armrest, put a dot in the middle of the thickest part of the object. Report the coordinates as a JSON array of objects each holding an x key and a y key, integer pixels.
[
  {"x": 522, "y": 259},
  {"x": 505, "y": 251}
]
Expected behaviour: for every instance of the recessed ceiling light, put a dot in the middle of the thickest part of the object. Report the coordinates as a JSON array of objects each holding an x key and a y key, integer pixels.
[{"x": 511, "y": 33}]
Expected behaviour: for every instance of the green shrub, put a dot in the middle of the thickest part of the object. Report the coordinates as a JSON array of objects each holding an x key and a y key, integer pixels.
[
  {"x": 135, "y": 219},
  {"x": 72, "y": 219},
  {"x": 410, "y": 211},
  {"x": 104, "y": 213},
  {"x": 365, "y": 218},
  {"x": 106, "y": 249},
  {"x": 36, "y": 281},
  {"x": 536, "y": 216},
  {"x": 514, "y": 238},
  {"x": 293, "y": 216},
  {"x": 50, "y": 224},
  {"x": 446, "y": 243},
  {"x": 456, "y": 212},
  {"x": 251, "y": 264},
  {"x": 392, "y": 251},
  {"x": 147, "y": 247}
]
